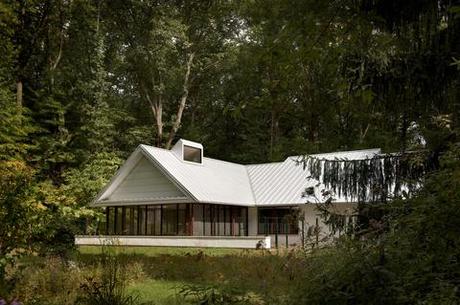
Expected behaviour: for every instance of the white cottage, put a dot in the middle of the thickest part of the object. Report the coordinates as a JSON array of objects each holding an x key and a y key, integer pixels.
[{"x": 179, "y": 197}]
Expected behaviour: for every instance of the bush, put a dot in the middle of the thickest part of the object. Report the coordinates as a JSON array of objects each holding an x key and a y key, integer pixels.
[
  {"x": 212, "y": 295},
  {"x": 414, "y": 261},
  {"x": 109, "y": 288},
  {"x": 51, "y": 281}
]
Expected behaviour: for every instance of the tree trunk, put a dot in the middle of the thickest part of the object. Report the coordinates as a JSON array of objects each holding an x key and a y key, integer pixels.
[
  {"x": 19, "y": 94},
  {"x": 159, "y": 121},
  {"x": 183, "y": 101},
  {"x": 272, "y": 131}
]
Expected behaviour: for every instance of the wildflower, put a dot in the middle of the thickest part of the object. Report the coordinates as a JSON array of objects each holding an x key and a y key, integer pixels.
[{"x": 2, "y": 302}]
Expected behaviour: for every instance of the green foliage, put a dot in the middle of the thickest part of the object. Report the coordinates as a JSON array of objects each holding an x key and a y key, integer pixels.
[
  {"x": 49, "y": 281},
  {"x": 14, "y": 131},
  {"x": 82, "y": 83},
  {"x": 84, "y": 183},
  {"x": 212, "y": 295},
  {"x": 110, "y": 287},
  {"x": 408, "y": 257},
  {"x": 36, "y": 216},
  {"x": 18, "y": 213}
]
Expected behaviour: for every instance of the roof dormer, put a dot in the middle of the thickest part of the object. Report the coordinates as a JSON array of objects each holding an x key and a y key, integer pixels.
[{"x": 188, "y": 151}]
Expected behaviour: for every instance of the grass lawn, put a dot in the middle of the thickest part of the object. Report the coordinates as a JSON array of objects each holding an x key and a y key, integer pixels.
[
  {"x": 156, "y": 251},
  {"x": 160, "y": 272},
  {"x": 158, "y": 292}
]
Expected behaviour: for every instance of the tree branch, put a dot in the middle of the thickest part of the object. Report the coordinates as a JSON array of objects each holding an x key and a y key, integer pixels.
[{"x": 183, "y": 100}]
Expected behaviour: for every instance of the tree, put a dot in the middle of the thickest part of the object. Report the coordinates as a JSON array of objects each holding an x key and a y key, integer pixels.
[{"x": 167, "y": 47}]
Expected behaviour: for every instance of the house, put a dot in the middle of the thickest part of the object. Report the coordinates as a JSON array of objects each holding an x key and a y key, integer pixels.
[{"x": 179, "y": 197}]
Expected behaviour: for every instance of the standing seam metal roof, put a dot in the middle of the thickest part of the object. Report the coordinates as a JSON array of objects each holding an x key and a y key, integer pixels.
[{"x": 222, "y": 182}]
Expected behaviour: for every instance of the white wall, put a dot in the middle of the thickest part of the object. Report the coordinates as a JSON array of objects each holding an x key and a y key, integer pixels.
[
  {"x": 145, "y": 181},
  {"x": 312, "y": 217},
  {"x": 247, "y": 242}
]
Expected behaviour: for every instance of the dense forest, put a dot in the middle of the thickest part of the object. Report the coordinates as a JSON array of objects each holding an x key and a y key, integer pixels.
[{"x": 83, "y": 82}]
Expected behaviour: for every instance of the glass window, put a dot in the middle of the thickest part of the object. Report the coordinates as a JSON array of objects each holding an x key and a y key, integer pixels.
[
  {"x": 243, "y": 222},
  {"x": 169, "y": 219},
  {"x": 133, "y": 221},
  {"x": 236, "y": 213},
  {"x": 118, "y": 220},
  {"x": 279, "y": 220},
  {"x": 151, "y": 220},
  {"x": 142, "y": 220},
  {"x": 182, "y": 219},
  {"x": 158, "y": 216},
  {"x": 207, "y": 219},
  {"x": 110, "y": 215},
  {"x": 214, "y": 217},
  {"x": 221, "y": 220},
  {"x": 198, "y": 219},
  {"x": 227, "y": 221},
  {"x": 192, "y": 154}
]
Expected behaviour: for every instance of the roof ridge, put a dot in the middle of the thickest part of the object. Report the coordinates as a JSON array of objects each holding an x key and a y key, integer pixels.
[
  {"x": 209, "y": 158},
  {"x": 339, "y": 152}
]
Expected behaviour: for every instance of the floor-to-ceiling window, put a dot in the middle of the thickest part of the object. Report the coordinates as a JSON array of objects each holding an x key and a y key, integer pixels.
[
  {"x": 176, "y": 219},
  {"x": 142, "y": 220},
  {"x": 169, "y": 220},
  {"x": 277, "y": 220}
]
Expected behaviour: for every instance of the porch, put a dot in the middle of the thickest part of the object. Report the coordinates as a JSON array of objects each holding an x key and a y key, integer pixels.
[{"x": 195, "y": 225}]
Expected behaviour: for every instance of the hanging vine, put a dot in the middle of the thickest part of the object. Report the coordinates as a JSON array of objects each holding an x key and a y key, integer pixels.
[{"x": 371, "y": 179}]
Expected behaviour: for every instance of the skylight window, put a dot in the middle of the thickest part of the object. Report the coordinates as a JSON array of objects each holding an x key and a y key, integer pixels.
[{"x": 192, "y": 154}]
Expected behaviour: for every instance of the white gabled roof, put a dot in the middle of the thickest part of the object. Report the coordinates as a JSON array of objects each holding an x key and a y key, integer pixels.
[
  {"x": 213, "y": 181},
  {"x": 221, "y": 182}
]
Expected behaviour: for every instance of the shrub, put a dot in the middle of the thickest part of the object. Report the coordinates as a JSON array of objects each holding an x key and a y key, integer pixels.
[
  {"x": 109, "y": 288},
  {"x": 212, "y": 295},
  {"x": 51, "y": 281}
]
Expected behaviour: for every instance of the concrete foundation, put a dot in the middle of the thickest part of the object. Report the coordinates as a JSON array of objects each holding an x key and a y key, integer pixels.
[{"x": 245, "y": 242}]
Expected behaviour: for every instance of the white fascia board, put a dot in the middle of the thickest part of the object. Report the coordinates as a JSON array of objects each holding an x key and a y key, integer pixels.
[
  {"x": 228, "y": 203},
  {"x": 145, "y": 201}
]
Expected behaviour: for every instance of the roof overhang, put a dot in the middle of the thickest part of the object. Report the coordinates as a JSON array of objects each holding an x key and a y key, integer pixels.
[{"x": 101, "y": 199}]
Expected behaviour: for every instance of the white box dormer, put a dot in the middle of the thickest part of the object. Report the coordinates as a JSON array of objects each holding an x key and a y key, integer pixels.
[{"x": 188, "y": 151}]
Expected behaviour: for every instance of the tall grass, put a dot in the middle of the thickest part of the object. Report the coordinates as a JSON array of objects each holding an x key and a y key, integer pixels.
[{"x": 110, "y": 287}]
